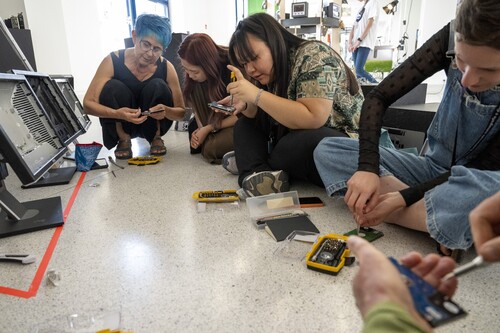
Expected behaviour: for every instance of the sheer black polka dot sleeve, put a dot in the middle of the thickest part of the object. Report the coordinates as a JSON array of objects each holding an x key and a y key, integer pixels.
[{"x": 427, "y": 60}]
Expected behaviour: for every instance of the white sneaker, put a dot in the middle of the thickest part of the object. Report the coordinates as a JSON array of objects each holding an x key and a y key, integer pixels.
[
  {"x": 266, "y": 182},
  {"x": 229, "y": 162},
  {"x": 242, "y": 194}
]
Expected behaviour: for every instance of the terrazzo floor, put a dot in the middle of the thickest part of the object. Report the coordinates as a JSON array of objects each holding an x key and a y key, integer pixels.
[{"x": 137, "y": 244}]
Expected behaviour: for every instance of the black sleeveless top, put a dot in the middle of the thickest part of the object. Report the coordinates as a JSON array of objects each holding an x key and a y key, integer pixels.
[{"x": 123, "y": 74}]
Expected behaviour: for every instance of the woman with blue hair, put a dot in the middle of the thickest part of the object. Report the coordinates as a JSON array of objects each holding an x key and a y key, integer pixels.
[{"x": 135, "y": 91}]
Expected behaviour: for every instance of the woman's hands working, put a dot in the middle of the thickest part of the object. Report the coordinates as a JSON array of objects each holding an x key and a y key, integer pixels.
[
  {"x": 243, "y": 94},
  {"x": 365, "y": 202},
  {"x": 304, "y": 113},
  {"x": 363, "y": 190}
]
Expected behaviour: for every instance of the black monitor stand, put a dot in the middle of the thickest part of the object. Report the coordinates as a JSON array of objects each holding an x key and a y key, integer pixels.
[
  {"x": 59, "y": 176},
  {"x": 19, "y": 218}
]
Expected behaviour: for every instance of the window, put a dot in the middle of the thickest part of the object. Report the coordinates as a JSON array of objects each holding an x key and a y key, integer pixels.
[
  {"x": 158, "y": 7},
  {"x": 138, "y": 7}
]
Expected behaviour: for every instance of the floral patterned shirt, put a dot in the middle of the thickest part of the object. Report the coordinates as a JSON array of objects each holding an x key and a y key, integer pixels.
[{"x": 318, "y": 71}]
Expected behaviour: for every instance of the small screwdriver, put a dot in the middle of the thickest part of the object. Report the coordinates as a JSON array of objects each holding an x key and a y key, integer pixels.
[
  {"x": 470, "y": 266},
  {"x": 233, "y": 79}
]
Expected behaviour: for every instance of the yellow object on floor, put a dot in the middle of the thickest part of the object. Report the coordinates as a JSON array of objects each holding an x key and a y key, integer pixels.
[{"x": 144, "y": 160}]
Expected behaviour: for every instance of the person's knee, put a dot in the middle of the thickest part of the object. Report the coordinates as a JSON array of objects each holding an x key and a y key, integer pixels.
[
  {"x": 329, "y": 145},
  {"x": 242, "y": 122},
  {"x": 156, "y": 87},
  {"x": 243, "y": 128},
  {"x": 115, "y": 94},
  {"x": 114, "y": 87},
  {"x": 156, "y": 91},
  {"x": 320, "y": 149},
  {"x": 156, "y": 84},
  {"x": 323, "y": 151},
  {"x": 335, "y": 151}
]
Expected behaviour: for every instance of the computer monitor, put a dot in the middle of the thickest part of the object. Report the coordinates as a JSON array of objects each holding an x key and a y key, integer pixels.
[
  {"x": 60, "y": 113},
  {"x": 30, "y": 145},
  {"x": 61, "y": 116},
  {"x": 64, "y": 84}
]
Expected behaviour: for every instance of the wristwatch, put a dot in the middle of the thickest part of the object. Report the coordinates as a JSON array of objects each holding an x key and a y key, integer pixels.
[{"x": 359, "y": 39}]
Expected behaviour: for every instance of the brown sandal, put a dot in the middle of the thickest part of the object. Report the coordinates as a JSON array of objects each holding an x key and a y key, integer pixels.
[
  {"x": 123, "y": 150},
  {"x": 157, "y": 147}
]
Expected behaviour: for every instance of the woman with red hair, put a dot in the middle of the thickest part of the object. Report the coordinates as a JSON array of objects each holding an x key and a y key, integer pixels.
[{"x": 205, "y": 64}]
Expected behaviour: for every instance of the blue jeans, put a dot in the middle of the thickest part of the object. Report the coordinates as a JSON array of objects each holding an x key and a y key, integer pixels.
[
  {"x": 447, "y": 205},
  {"x": 359, "y": 56},
  {"x": 456, "y": 136}
]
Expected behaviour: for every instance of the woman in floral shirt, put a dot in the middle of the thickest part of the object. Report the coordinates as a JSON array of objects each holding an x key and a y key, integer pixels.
[{"x": 299, "y": 92}]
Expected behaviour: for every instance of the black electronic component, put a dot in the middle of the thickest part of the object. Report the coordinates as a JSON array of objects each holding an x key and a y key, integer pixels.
[
  {"x": 225, "y": 108},
  {"x": 308, "y": 202},
  {"x": 329, "y": 254}
]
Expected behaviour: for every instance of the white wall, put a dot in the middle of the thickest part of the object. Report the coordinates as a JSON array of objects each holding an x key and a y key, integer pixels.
[
  {"x": 435, "y": 14},
  {"x": 48, "y": 31},
  {"x": 73, "y": 36},
  {"x": 214, "y": 17}
]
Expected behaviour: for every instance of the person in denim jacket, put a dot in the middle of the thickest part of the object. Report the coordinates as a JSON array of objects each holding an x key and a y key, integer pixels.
[{"x": 432, "y": 193}]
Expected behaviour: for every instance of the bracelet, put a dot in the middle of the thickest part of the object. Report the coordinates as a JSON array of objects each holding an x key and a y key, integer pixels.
[
  {"x": 256, "y": 101},
  {"x": 359, "y": 39}
]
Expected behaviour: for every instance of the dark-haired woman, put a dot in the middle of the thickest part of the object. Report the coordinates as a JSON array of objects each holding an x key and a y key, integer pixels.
[
  {"x": 205, "y": 64},
  {"x": 299, "y": 92}
]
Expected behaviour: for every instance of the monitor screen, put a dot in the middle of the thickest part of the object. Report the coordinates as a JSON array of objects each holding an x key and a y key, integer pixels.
[{"x": 299, "y": 7}]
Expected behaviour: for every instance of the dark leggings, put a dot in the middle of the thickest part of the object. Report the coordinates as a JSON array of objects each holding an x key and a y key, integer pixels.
[
  {"x": 293, "y": 153},
  {"x": 115, "y": 94}
]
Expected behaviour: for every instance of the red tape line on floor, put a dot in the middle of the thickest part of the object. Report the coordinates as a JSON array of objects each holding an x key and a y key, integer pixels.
[{"x": 40, "y": 273}]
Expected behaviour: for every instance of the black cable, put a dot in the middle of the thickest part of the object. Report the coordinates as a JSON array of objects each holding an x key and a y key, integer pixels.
[{"x": 402, "y": 41}]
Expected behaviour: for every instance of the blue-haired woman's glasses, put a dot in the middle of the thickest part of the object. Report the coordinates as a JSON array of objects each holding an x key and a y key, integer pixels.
[{"x": 146, "y": 47}]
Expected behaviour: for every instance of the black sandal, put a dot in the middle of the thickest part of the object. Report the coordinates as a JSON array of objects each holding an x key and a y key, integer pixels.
[
  {"x": 157, "y": 149},
  {"x": 455, "y": 254},
  {"x": 123, "y": 150}
]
